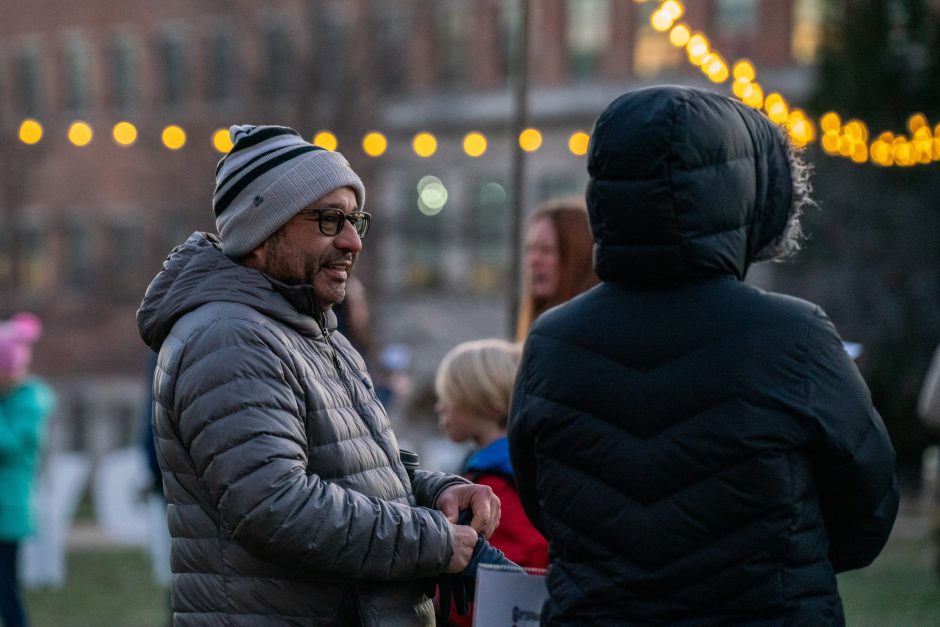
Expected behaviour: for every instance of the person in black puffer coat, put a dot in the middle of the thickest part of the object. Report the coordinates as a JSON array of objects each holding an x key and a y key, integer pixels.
[{"x": 696, "y": 450}]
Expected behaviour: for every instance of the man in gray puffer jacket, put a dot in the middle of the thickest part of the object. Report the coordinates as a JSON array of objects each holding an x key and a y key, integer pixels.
[{"x": 287, "y": 501}]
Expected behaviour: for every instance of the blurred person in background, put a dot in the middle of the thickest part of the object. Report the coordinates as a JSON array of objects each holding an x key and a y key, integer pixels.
[
  {"x": 696, "y": 450},
  {"x": 928, "y": 402},
  {"x": 557, "y": 261},
  {"x": 25, "y": 404},
  {"x": 473, "y": 385},
  {"x": 287, "y": 500}
]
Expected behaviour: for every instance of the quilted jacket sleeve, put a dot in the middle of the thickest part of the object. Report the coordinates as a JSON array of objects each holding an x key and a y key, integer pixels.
[
  {"x": 240, "y": 411},
  {"x": 428, "y": 485},
  {"x": 522, "y": 435},
  {"x": 854, "y": 465}
]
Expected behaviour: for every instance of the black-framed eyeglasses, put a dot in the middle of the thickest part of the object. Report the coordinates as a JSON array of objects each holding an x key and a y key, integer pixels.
[{"x": 331, "y": 220}]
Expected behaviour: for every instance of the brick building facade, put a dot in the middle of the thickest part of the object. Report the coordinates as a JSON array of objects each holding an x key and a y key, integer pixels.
[{"x": 83, "y": 229}]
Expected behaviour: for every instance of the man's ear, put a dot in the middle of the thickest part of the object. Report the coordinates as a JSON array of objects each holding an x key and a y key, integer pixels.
[{"x": 257, "y": 258}]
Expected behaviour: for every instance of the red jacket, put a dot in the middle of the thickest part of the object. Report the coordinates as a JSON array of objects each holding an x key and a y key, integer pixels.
[{"x": 515, "y": 536}]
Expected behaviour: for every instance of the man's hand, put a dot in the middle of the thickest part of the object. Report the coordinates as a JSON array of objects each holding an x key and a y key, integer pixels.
[
  {"x": 465, "y": 538},
  {"x": 477, "y": 498}
]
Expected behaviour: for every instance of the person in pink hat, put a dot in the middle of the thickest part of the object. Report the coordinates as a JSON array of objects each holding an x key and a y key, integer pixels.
[{"x": 25, "y": 403}]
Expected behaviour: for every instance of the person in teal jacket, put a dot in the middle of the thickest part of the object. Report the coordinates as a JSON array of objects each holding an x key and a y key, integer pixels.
[{"x": 25, "y": 402}]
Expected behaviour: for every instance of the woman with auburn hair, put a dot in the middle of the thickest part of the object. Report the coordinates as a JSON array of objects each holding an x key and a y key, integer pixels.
[{"x": 557, "y": 261}]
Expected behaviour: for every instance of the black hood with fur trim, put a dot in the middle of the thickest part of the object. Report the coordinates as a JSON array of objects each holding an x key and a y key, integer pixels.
[{"x": 685, "y": 183}]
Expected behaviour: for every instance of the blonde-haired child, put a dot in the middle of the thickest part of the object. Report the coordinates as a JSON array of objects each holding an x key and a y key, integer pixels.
[{"x": 473, "y": 385}]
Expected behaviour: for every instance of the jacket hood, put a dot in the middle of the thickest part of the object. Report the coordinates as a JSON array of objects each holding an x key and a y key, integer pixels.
[
  {"x": 197, "y": 272},
  {"x": 684, "y": 183}
]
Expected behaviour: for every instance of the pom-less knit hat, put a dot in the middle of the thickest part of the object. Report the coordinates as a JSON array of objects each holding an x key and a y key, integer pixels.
[{"x": 268, "y": 176}]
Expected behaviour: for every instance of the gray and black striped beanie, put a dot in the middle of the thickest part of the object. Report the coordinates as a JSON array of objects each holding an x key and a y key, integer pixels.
[{"x": 268, "y": 176}]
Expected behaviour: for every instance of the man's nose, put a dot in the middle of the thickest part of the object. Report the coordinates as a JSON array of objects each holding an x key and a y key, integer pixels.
[{"x": 348, "y": 239}]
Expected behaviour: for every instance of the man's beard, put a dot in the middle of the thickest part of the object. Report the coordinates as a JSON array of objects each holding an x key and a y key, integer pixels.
[{"x": 294, "y": 268}]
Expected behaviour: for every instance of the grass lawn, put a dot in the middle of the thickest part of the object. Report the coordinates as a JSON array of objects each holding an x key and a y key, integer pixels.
[
  {"x": 113, "y": 588},
  {"x": 898, "y": 590},
  {"x": 110, "y": 587}
]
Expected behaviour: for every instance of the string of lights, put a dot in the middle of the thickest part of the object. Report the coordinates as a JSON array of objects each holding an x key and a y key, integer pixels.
[
  {"x": 849, "y": 138},
  {"x": 374, "y": 143}
]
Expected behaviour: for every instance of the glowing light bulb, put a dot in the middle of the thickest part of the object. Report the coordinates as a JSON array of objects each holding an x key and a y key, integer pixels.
[
  {"x": 530, "y": 140},
  {"x": 326, "y": 140},
  {"x": 174, "y": 137},
  {"x": 124, "y": 133},
  {"x": 679, "y": 35},
  {"x": 80, "y": 133},
  {"x": 578, "y": 143},
  {"x": 374, "y": 144},
  {"x": 474, "y": 144},
  {"x": 673, "y": 9},
  {"x": 697, "y": 48},
  {"x": 916, "y": 121},
  {"x": 222, "y": 140},
  {"x": 660, "y": 21},
  {"x": 744, "y": 69},
  {"x": 424, "y": 144},
  {"x": 830, "y": 122},
  {"x": 830, "y": 142},
  {"x": 30, "y": 131}
]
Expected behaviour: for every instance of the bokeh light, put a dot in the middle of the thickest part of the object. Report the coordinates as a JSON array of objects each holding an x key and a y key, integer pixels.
[
  {"x": 80, "y": 133},
  {"x": 374, "y": 144},
  {"x": 530, "y": 140},
  {"x": 326, "y": 140},
  {"x": 679, "y": 35},
  {"x": 124, "y": 134},
  {"x": 777, "y": 109},
  {"x": 173, "y": 137},
  {"x": 474, "y": 144},
  {"x": 697, "y": 48},
  {"x": 222, "y": 140},
  {"x": 753, "y": 95},
  {"x": 424, "y": 144},
  {"x": 30, "y": 131},
  {"x": 578, "y": 143},
  {"x": 744, "y": 69},
  {"x": 432, "y": 195},
  {"x": 830, "y": 121}
]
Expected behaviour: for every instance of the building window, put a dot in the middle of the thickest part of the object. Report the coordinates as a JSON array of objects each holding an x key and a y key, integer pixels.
[
  {"x": 35, "y": 260},
  {"x": 277, "y": 46},
  {"x": 453, "y": 20},
  {"x": 390, "y": 33},
  {"x": 222, "y": 72},
  {"x": 77, "y": 79},
  {"x": 559, "y": 186},
  {"x": 737, "y": 17},
  {"x": 510, "y": 20},
  {"x": 490, "y": 229},
  {"x": 27, "y": 81},
  {"x": 334, "y": 34},
  {"x": 653, "y": 53},
  {"x": 125, "y": 244},
  {"x": 807, "y": 31},
  {"x": 587, "y": 35},
  {"x": 6, "y": 255},
  {"x": 123, "y": 73},
  {"x": 78, "y": 256},
  {"x": 173, "y": 68}
]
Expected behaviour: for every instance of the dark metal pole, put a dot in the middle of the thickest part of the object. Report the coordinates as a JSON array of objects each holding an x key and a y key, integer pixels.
[{"x": 519, "y": 122}]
